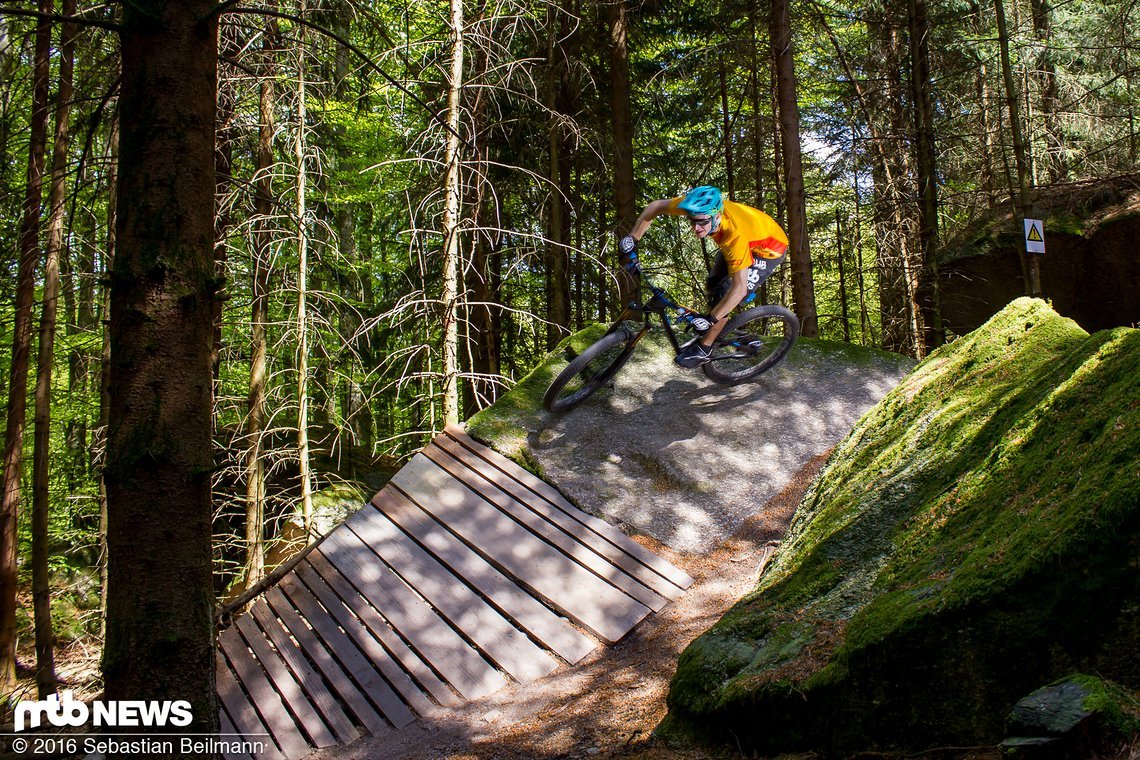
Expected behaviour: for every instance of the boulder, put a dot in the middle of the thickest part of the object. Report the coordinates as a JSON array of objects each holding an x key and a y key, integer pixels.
[
  {"x": 976, "y": 534},
  {"x": 1077, "y": 716}
]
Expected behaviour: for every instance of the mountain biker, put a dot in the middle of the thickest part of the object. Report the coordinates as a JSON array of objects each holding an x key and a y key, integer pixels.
[{"x": 751, "y": 245}]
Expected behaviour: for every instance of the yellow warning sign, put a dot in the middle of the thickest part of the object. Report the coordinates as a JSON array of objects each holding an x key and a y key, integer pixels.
[{"x": 1034, "y": 236}]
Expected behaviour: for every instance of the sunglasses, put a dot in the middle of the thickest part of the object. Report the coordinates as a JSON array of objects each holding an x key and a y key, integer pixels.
[{"x": 701, "y": 221}]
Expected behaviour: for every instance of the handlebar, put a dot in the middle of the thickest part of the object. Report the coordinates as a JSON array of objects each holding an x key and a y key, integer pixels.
[{"x": 659, "y": 302}]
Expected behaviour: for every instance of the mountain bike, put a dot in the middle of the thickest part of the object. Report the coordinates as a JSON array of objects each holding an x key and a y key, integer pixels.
[{"x": 752, "y": 343}]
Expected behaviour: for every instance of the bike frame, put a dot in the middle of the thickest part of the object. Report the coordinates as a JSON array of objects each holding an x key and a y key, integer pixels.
[{"x": 635, "y": 312}]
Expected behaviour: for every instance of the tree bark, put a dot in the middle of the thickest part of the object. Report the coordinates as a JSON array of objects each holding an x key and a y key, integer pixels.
[
  {"x": 99, "y": 444},
  {"x": 803, "y": 287},
  {"x": 621, "y": 119},
  {"x": 21, "y": 347},
  {"x": 1025, "y": 196},
  {"x": 259, "y": 316},
  {"x": 41, "y": 474},
  {"x": 451, "y": 217},
  {"x": 160, "y": 601},
  {"x": 921, "y": 85},
  {"x": 300, "y": 151}
]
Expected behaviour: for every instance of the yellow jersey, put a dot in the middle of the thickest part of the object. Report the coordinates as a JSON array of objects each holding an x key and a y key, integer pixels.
[{"x": 745, "y": 234}]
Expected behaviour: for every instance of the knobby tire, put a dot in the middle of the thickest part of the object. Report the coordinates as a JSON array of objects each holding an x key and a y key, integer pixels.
[
  {"x": 767, "y": 351},
  {"x": 595, "y": 376}
]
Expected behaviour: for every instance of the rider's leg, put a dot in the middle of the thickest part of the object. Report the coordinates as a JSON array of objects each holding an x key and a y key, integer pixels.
[
  {"x": 717, "y": 283},
  {"x": 761, "y": 269},
  {"x": 698, "y": 352}
]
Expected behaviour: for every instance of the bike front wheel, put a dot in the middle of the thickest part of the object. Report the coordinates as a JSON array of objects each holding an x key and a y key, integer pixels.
[
  {"x": 590, "y": 370},
  {"x": 752, "y": 343}
]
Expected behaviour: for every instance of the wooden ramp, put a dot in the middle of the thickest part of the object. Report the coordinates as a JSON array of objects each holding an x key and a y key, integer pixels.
[{"x": 465, "y": 572}]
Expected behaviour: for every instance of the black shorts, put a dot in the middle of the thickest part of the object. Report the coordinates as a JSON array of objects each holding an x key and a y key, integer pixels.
[{"x": 718, "y": 282}]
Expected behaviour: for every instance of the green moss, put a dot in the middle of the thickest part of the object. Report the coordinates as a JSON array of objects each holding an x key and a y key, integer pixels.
[
  {"x": 994, "y": 490},
  {"x": 1118, "y": 706},
  {"x": 507, "y": 423},
  {"x": 1074, "y": 702},
  {"x": 336, "y": 494}
]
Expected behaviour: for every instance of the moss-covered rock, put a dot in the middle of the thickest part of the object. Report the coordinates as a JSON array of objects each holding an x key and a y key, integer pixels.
[
  {"x": 1062, "y": 706},
  {"x": 516, "y": 414},
  {"x": 1077, "y": 716},
  {"x": 976, "y": 535}
]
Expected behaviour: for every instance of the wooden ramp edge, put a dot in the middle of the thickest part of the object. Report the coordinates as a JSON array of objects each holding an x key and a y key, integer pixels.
[{"x": 464, "y": 573}]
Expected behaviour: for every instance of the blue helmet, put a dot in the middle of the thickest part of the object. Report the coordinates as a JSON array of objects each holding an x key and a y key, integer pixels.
[{"x": 703, "y": 200}]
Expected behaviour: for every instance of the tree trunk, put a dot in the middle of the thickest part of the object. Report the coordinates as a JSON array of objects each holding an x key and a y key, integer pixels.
[
  {"x": 726, "y": 122},
  {"x": 482, "y": 277},
  {"x": 21, "y": 348},
  {"x": 259, "y": 316},
  {"x": 100, "y": 442},
  {"x": 892, "y": 207},
  {"x": 160, "y": 601},
  {"x": 803, "y": 287},
  {"x": 1025, "y": 198},
  {"x": 558, "y": 237},
  {"x": 1056, "y": 164},
  {"x": 843, "y": 313},
  {"x": 299, "y": 155},
  {"x": 229, "y": 49},
  {"x": 621, "y": 119},
  {"x": 921, "y": 86},
  {"x": 452, "y": 188},
  {"x": 41, "y": 475}
]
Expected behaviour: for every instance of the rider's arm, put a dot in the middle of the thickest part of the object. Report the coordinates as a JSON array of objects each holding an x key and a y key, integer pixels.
[
  {"x": 736, "y": 291},
  {"x": 651, "y": 212}
]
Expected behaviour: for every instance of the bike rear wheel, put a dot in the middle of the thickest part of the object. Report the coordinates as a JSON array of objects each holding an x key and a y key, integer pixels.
[
  {"x": 590, "y": 370},
  {"x": 752, "y": 343}
]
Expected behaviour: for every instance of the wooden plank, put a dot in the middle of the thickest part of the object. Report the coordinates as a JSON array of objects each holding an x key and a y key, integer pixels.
[
  {"x": 241, "y": 712},
  {"x": 364, "y": 672},
  {"x": 518, "y": 482},
  {"x": 426, "y": 632},
  {"x": 264, "y": 697},
  {"x": 321, "y": 697},
  {"x": 307, "y": 716},
  {"x": 552, "y": 496},
  {"x": 567, "y": 541},
  {"x": 227, "y": 733},
  {"x": 493, "y": 634},
  {"x": 563, "y": 583},
  {"x": 395, "y": 651},
  {"x": 549, "y": 628},
  {"x": 341, "y": 682}
]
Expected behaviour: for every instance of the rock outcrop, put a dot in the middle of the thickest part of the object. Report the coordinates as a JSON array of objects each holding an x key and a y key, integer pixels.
[
  {"x": 975, "y": 536},
  {"x": 1090, "y": 271}
]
